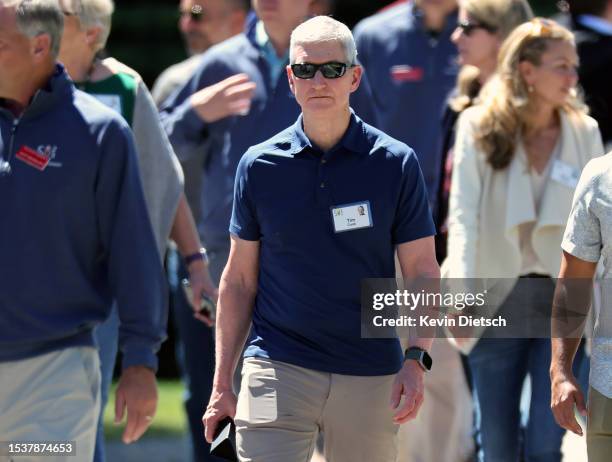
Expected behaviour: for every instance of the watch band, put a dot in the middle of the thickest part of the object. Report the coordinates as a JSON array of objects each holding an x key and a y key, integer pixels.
[
  {"x": 200, "y": 255},
  {"x": 419, "y": 355}
]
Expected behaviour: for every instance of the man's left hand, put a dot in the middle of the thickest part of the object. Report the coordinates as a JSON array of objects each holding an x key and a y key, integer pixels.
[
  {"x": 409, "y": 384},
  {"x": 136, "y": 392},
  {"x": 201, "y": 283}
]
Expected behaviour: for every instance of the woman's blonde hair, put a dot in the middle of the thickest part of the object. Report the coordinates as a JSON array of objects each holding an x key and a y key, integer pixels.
[
  {"x": 505, "y": 99},
  {"x": 499, "y": 15}
]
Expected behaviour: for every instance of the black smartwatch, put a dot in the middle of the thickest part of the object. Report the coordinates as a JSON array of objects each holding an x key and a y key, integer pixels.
[{"x": 419, "y": 355}]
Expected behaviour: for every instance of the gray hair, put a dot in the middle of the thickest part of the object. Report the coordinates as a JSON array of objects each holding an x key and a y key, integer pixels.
[
  {"x": 96, "y": 13},
  {"x": 37, "y": 17},
  {"x": 324, "y": 29}
]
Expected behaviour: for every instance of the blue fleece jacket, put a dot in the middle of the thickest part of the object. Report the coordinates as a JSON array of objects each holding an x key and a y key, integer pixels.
[
  {"x": 273, "y": 108},
  {"x": 74, "y": 231}
]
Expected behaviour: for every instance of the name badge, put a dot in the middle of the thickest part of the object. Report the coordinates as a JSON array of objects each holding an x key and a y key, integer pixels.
[
  {"x": 565, "y": 174},
  {"x": 352, "y": 216}
]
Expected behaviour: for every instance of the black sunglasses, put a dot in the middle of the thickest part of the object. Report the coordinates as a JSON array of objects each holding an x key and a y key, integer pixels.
[
  {"x": 331, "y": 70},
  {"x": 196, "y": 13},
  {"x": 469, "y": 27}
]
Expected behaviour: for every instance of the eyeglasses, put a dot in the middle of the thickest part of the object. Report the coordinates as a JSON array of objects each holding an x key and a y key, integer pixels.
[
  {"x": 468, "y": 27},
  {"x": 196, "y": 13},
  {"x": 331, "y": 70}
]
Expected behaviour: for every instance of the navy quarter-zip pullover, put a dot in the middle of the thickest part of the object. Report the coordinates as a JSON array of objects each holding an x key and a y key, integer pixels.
[{"x": 74, "y": 231}]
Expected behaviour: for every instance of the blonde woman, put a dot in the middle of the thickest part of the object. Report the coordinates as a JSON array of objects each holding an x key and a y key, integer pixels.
[{"x": 517, "y": 157}]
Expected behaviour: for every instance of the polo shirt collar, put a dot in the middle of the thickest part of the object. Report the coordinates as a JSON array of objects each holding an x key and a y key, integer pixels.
[{"x": 353, "y": 139}]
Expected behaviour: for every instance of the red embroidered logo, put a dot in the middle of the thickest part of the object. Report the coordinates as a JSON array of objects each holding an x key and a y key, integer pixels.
[
  {"x": 32, "y": 158},
  {"x": 405, "y": 73}
]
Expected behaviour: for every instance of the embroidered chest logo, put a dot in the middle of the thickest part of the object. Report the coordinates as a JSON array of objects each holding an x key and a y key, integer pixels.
[
  {"x": 41, "y": 158},
  {"x": 406, "y": 73}
]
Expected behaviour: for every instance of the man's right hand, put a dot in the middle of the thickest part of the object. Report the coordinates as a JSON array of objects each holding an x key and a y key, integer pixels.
[
  {"x": 566, "y": 393},
  {"x": 222, "y": 404},
  {"x": 231, "y": 96}
]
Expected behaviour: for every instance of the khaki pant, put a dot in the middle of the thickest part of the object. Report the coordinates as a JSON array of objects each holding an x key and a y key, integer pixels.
[
  {"x": 599, "y": 429},
  {"x": 282, "y": 408},
  {"x": 51, "y": 397}
]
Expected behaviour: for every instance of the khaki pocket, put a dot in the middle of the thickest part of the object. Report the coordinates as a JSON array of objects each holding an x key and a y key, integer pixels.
[
  {"x": 91, "y": 367},
  {"x": 257, "y": 403}
]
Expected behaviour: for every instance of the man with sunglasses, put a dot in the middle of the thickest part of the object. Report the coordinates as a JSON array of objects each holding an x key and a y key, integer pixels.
[
  {"x": 72, "y": 206},
  {"x": 237, "y": 98},
  {"x": 300, "y": 249}
]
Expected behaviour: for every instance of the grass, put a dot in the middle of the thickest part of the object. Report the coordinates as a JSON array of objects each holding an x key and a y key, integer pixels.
[{"x": 169, "y": 422}]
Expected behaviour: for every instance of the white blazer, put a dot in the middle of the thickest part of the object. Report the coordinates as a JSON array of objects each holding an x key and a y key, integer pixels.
[{"x": 487, "y": 206}]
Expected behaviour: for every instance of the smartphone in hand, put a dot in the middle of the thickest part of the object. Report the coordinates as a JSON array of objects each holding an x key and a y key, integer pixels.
[{"x": 206, "y": 307}]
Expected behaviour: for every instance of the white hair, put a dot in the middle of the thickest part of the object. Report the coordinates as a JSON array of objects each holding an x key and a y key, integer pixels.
[
  {"x": 324, "y": 29},
  {"x": 36, "y": 17},
  {"x": 96, "y": 13}
]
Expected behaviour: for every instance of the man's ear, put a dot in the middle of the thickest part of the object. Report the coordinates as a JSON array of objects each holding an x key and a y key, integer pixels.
[
  {"x": 41, "y": 46},
  {"x": 290, "y": 78},
  {"x": 357, "y": 74},
  {"x": 91, "y": 35}
]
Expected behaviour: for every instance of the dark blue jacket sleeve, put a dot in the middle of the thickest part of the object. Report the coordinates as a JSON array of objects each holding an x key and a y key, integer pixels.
[
  {"x": 186, "y": 131},
  {"x": 128, "y": 249}
]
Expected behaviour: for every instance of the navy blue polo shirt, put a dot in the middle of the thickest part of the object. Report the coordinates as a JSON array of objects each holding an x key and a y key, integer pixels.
[{"x": 307, "y": 309}]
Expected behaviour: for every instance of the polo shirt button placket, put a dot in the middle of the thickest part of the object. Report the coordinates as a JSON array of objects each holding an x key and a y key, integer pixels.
[
  {"x": 321, "y": 174},
  {"x": 323, "y": 195}
]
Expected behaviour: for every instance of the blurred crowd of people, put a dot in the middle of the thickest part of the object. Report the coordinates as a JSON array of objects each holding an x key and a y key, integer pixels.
[{"x": 503, "y": 111}]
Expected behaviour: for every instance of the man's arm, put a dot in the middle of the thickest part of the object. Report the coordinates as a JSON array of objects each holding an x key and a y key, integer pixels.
[
  {"x": 237, "y": 292},
  {"x": 418, "y": 262},
  {"x": 135, "y": 274},
  {"x": 185, "y": 234},
  {"x": 573, "y": 293},
  {"x": 199, "y": 105}
]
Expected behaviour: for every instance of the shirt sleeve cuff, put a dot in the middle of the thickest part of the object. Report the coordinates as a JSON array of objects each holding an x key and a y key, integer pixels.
[
  {"x": 244, "y": 234},
  {"x": 402, "y": 238},
  {"x": 189, "y": 117},
  {"x": 139, "y": 355},
  {"x": 580, "y": 252}
]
